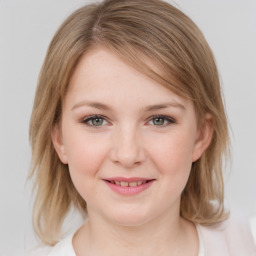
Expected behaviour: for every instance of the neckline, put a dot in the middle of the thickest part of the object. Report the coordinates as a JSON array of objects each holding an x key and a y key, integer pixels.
[{"x": 201, "y": 251}]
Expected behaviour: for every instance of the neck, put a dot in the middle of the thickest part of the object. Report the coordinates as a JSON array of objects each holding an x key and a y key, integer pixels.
[{"x": 164, "y": 236}]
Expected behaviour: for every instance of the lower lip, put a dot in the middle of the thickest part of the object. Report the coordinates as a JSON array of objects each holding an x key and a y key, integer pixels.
[{"x": 129, "y": 190}]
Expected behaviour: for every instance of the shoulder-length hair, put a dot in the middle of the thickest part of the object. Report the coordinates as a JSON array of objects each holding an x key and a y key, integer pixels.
[{"x": 134, "y": 30}]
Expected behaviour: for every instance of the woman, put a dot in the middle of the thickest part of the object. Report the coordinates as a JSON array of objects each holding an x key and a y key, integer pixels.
[{"x": 128, "y": 126}]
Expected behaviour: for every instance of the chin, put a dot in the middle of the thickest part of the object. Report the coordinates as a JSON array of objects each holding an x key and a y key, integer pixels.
[{"x": 129, "y": 218}]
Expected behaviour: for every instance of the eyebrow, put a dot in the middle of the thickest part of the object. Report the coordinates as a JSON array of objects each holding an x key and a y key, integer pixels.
[
  {"x": 102, "y": 106},
  {"x": 166, "y": 105},
  {"x": 97, "y": 105}
]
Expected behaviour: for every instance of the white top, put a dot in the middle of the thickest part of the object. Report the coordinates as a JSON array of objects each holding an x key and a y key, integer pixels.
[{"x": 229, "y": 238}]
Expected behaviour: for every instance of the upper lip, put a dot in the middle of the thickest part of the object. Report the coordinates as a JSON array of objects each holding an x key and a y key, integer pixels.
[{"x": 132, "y": 179}]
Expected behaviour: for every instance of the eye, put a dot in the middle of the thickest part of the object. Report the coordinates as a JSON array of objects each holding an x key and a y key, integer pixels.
[
  {"x": 95, "y": 120},
  {"x": 161, "y": 120}
]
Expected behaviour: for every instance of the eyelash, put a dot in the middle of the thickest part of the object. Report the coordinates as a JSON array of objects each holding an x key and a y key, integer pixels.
[
  {"x": 93, "y": 117},
  {"x": 167, "y": 119}
]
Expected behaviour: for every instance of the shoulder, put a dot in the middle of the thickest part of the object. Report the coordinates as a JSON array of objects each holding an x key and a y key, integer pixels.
[
  {"x": 253, "y": 227},
  {"x": 230, "y": 237},
  {"x": 62, "y": 248}
]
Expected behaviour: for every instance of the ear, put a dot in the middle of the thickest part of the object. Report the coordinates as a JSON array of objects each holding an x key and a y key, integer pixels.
[
  {"x": 58, "y": 143},
  {"x": 204, "y": 137}
]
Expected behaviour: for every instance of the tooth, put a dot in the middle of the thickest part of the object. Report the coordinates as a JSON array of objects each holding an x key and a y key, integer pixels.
[
  {"x": 124, "y": 184},
  {"x": 117, "y": 183},
  {"x": 139, "y": 183},
  {"x": 133, "y": 184},
  {"x": 143, "y": 182},
  {"x": 112, "y": 182}
]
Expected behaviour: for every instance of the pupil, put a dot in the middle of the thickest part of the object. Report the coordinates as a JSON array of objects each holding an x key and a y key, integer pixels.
[
  {"x": 158, "y": 121},
  {"x": 97, "y": 121}
]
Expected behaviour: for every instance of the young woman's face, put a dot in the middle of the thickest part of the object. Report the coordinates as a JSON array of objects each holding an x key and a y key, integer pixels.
[{"x": 128, "y": 141}]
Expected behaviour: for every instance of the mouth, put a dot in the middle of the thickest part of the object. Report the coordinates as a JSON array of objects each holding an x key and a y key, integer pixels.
[
  {"x": 128, "y": 186},
  {"x": 128, "y": 182}
]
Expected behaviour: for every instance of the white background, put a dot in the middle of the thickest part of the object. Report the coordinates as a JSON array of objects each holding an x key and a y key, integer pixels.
[{"x": 26, "y": 28}]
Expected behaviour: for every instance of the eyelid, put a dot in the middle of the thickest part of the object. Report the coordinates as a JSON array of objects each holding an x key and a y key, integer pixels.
[
  {"x": 167, "y": 118},
  {"x": 86, "y": 120}
]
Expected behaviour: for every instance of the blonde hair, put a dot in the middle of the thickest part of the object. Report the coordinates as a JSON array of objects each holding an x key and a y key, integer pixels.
[{"x": 134, "y": 30}]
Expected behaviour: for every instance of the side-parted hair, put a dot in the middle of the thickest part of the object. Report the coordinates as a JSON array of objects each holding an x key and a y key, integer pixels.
[{"x": 135, "y": 30}]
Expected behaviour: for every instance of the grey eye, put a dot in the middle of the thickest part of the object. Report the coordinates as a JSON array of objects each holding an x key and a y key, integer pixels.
[
  {"x": 97, "y": 121},
  {"x": 159, "y": 121}
]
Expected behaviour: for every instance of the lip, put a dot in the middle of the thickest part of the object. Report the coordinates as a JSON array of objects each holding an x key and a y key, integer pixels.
[
  {"x": 132, "y": 179},
  {"x": 128, "y": 190}
]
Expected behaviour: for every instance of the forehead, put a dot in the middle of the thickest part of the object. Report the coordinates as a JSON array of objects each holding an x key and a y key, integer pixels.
[{"x": 100, "y": 73}]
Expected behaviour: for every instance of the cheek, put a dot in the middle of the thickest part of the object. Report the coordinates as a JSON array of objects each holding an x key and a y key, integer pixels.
[
  {"x": 85, "y": 156},
  {"x": 173, "y": 160},
  {"x": 173, "y": 155},
  {"x": 83, "y": 150}
]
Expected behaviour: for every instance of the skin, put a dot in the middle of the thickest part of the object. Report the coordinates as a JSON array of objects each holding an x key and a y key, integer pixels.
[{"x": 129, "y": 142}]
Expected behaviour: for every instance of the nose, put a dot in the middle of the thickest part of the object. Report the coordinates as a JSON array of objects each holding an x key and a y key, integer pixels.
[{"x": 127, "y": 148}]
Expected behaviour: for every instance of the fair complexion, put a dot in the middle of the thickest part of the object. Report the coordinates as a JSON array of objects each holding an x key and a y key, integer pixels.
[{"x": 120, "y": 129}]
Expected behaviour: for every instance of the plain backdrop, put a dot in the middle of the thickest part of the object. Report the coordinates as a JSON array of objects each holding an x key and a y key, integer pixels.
[{"x": 26, "y": 28}]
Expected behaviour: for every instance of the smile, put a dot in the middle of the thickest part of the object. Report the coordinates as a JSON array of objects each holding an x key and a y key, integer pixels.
[{"x": 128, "y": 186}]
